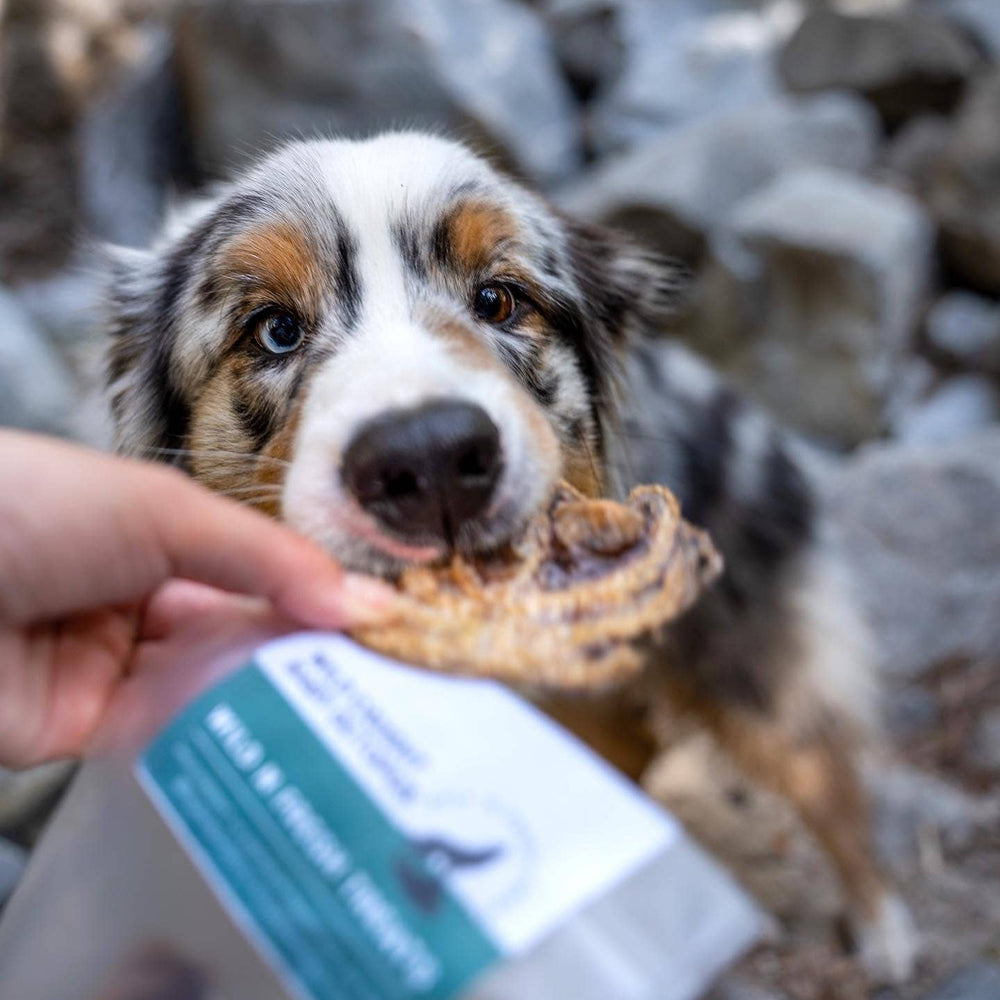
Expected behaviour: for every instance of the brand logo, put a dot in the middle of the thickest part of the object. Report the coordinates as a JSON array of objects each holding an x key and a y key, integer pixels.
[{"x": 475, "y": 847}]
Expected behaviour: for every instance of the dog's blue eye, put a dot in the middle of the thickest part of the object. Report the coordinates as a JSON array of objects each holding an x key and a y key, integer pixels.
[
  {"x": 279, "y": 333},
  {"x": 494, "y": 303}
]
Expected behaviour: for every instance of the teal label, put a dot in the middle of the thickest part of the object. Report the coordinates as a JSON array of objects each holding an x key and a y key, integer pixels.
[{"x": 341, "y": 902}]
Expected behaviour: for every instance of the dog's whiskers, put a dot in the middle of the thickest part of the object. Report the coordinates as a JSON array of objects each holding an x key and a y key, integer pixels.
[{"x": 255, "y": 491}]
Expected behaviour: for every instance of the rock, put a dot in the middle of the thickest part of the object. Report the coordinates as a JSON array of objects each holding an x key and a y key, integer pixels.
[
  {"x": 920, "y": 531},
  {"x": 685, "y": 59},
  {"x": 65, "y": 305},
  {"x": 817, "y": 281},
  {"x": 910, "y": 711},
  {"x": 979, "y": 17},
  {"x": 913, "y": 152},
  {"x": 914, "y": 381},
  {"x": 965, "y": 328},
  {"x": 55, "y": 57},
  {"x": 37, "y": 390},
  {"x": 905, "y": 65},
  {"x": 959, "y": 407},
  {"x": 66, "y": 308},
  {"x": 983, "y": 751},
  {"x": 258, "y": 73},
  {"x": 965, "y": 192},
  {"x": 979, "y": 981},
  {"x": 673, "y": 192},
  {"x": 133, "y": 150},
  {"x": 909, "y": 804},
  {"x": 589, "y": 43}
]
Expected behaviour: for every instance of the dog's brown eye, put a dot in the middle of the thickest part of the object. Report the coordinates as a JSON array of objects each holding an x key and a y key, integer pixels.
[
  {"x": 279, "y": 332},
  {"x": 494, "y": 303}
]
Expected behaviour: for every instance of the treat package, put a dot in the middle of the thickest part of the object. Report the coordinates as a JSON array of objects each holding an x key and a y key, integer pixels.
[{"x": 323, "y": 823}]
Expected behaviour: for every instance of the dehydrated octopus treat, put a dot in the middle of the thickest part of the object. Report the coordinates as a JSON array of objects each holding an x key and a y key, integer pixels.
[{"x": 563, "y": 608}]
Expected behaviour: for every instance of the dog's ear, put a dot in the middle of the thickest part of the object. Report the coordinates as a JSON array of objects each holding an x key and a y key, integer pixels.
[
  {"x": 623, "y": 293},
  {"x": 142, "y": 289},
  {"x": 629, "y": 290},
  {"x": 147, "y": 292}
]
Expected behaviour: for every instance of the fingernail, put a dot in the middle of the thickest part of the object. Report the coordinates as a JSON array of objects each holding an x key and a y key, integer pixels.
[{"x": 367, "y": 601}]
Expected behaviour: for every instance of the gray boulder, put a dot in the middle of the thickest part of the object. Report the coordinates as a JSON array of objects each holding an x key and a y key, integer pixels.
[
  {"x": 979, "y": 17},
  {"x": 685, "y": 59},
  {"x": 965, "y": 328},
  {"x": 67, "y": 306},
  {"x": 978, "y": 981},
  {"x": 984, "y": 743},
  {"x": 965, "y": 193},
  {"x": 132, "y": 150},
  {"x": 817, "y": 281},
  {"x": 909, "y": 802},
  {"x": 589, "y": 43},
  {"x": 905, "y": 64},
  {"x": 914, "y": 381},
  {"x": 960, "y": 406},
  {"x": 911, "y": 156},
  {"x": 67, "y": 310},
  {"x": 675, "y": 191},
  {"x": 255, "y": 74},
  {"x": 37, "y": 389},
  {"x": 910, "y": 711},
  {"x": 919, "y": 527}
]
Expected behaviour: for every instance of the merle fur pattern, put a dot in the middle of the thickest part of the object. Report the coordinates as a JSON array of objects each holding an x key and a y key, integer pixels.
[{"x": 375, "y": 249}]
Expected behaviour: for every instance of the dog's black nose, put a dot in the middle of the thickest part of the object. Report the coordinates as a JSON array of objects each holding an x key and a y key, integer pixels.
[{"x": 425, "y": 472}]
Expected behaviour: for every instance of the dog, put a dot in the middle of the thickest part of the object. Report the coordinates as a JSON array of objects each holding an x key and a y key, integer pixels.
[{"x": 398, "y": 350}]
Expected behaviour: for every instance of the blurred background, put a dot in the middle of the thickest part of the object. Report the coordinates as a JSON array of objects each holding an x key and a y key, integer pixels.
[{"x": 830, "y": 172}]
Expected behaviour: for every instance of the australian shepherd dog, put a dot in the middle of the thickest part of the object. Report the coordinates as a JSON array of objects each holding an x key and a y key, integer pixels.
[{"x": 398, "y": 351}]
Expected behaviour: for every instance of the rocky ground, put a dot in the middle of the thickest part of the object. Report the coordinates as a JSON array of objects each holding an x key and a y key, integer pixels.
[{"x": 829, "y": 173}]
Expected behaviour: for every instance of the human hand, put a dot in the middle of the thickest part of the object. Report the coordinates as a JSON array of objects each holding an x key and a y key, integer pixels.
[{"x": 91, "y": 551}]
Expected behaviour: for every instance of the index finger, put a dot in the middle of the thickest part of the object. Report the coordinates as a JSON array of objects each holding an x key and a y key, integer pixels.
[{"x": 82, "y": 530}]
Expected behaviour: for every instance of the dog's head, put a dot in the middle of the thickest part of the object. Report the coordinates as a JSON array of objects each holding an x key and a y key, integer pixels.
[{"x": 386, "y": 343}]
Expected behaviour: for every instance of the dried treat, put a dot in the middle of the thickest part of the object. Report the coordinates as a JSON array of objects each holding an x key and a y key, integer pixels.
[{"x": 564, "y": 607}]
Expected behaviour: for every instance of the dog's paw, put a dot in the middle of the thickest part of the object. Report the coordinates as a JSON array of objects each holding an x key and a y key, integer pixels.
[{"x": 889, "y": 944}]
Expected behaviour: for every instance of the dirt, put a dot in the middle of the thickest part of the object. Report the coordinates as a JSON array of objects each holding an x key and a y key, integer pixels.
[{"x": 950, "y": 880}]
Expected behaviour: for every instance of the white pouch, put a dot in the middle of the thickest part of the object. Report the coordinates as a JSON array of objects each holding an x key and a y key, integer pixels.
[{"x": 326, "y": 824}]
